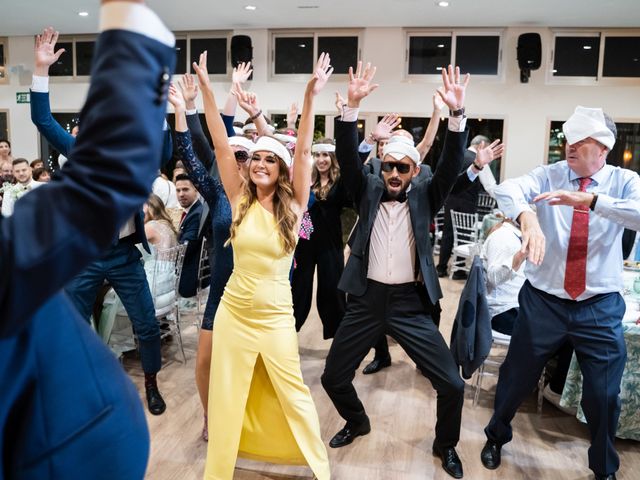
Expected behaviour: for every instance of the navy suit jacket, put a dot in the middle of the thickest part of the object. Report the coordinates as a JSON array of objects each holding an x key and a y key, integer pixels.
[
  {"x": 189, "y": 233},
  {"x": 63, "y": 141},
  {"x": 67, "y": 409}
]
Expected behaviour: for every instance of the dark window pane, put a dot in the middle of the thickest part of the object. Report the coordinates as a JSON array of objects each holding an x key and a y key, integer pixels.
[
  {"x": 576, "y": 57},
  {"x": 64, "y": 66},
  {"x": 1, "y": 61},
  {"x": 4, "y": 126},
  {"x": 478, "y": 54},
  {"x": 84, "y": 55},
  {"x": 621, "y": 57},
  {"x": 181, "y": 57},
  {"x": 294, "y": 55},
  {"x": 216, "y": 53},
  {"x": 427, "y": 55},
  {"x": 342, "y": 50}
]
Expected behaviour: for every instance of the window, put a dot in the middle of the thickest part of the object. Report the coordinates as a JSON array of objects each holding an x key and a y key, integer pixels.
[
  {"x": 190, "y": 46},
  {"x": 475, "y": 52},
  {"x": 576, "y": 56},
  {"x": 4, "y": 124},
  {"x": 3, "y": 59},
  {"x": 84, "y": 56},
  {"x": 427, "y": 55},
  {"x": 296, "y": 53},
  {"x": 279, "y": 121},
  {"x": 64, "y": 66},
  {"x": 625, "y": 153},
  {"x": 47, "y": 152},
  {"x": 478, "y": 54},
  {"x": 621, "y": 57},
  {"x": 76, "y": 59}
]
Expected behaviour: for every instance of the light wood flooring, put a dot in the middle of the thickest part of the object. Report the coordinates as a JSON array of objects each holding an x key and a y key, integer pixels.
[{"x": 401, "y": 404}]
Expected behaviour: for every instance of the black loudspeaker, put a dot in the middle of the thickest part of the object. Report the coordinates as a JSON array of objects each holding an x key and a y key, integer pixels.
[
  {"x": 241, "y": 49},
  {"x": 529, "y": 54}
]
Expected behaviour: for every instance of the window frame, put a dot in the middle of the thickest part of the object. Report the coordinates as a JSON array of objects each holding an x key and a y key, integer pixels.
[
  {"x": 315, "y": 33},
  {"x": 74, "y": 65},
  {"x": 208, "y": 34},
  {"x": 550, "y": 79},
  {"x": 499, "y": 77},
  {"x": 4, "y": 41}
]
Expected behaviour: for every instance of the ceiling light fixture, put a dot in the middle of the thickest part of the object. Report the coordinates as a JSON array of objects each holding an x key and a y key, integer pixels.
[
  {"x": 83, "y": 14},
  {"x": 443, "y": 4},
  {"x": 250, "y": 7}
]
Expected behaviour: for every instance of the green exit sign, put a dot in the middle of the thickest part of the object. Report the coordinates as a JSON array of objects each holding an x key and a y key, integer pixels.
[{"x": 23, "y": 97}]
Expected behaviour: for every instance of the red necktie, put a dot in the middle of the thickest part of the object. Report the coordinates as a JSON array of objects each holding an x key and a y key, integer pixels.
[
  {"x": 576, "y": 270},
  {"x": 184, "y": 214}
]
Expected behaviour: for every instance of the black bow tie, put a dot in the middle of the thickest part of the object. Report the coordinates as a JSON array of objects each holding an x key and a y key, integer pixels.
[{"x": 402, "y": 197}]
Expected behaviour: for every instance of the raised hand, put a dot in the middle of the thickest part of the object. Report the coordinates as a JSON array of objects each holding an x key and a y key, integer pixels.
[
  {"x": 45, "y": 54},
  {"x": 452, "y": 91},
  {"x": 489, "y": 153},
  {"x": 292, "y": 115},
  {"x": 241, "y": 73},
  {"x": 438, "y": 104},
  {"x": 176, "y": 99},
  {"x": 248, "y": 101},
  {"x": 383, "y": 129},
  {"x": 201, "y": 70},
  {"x": 340, "y": 103},
  {"x": 360, "y": 84},
  {"x": 189, "y": 90},
  {"x": 321, "y": 73}
]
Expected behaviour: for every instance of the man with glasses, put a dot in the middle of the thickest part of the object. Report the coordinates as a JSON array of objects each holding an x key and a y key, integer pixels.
[{"x": 390, "y": 277}]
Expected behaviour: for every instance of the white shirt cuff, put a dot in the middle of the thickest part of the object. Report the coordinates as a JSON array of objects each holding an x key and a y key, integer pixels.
[
  {"x": 40, "y": 84},
  {"x": 471, "y": 174},
  {"x": 364, "y": 147},
  {"x": 137, "y": 18},
  {"x": 457, "y": 124},
  {"x": 350, "y": 114},
  {"x": 192, "y": 112}
]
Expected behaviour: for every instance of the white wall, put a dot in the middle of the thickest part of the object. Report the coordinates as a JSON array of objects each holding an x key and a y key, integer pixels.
[{"x": 525, "y": 108}]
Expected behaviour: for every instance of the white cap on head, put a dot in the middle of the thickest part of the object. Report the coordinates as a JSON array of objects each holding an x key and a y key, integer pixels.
[
  {"x": 399, "y": 147},
  {"x": 249, "y": 126},
  {"x": 237, "y": 130},
  {"x": 588, "y": 122},
  {"x": 323, "y": 147},
  {"x": 241, "y": 142},
  {"x": 268, "y": 144},
  {"x": 285, "y": 138}
]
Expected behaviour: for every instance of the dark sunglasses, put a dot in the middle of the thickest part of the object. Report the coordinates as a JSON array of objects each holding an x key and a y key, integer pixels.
[
  {"x": 241, "y": 156},
  {"x": 401, "y": 167}
]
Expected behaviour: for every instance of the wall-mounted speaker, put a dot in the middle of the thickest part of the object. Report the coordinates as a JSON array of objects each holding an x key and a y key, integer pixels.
[{"x": 529, "y": 54}]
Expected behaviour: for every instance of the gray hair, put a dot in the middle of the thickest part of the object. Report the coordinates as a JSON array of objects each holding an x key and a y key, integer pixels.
[{"x": 478, "y": 139}]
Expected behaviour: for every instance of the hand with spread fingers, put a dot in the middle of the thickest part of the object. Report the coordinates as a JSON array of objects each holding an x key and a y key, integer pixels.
[
  {"x": 241, "y": 73},
  {"x": 453, "y": 90},
  {"x": 189, "y": 89},
  {"x": 45, "y": 51},
  {"x": 360, "y": 84},
  {"x": 533, "y": 240},
  {"x": 248, "y": 101},
  {"x": 321, "y": 73},
  {"x": 488, "y": 154},
  {"x": 384, "y": 127}
]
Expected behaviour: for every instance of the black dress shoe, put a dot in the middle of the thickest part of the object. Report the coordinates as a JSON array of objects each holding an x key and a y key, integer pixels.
[
  {"x": 450, "y": 460},
  {"x": 490, "y": 455},
  {"x": 349, "y": 433},
  {"x": 442, "y": 272},
  {"x": 606, "y": 477},
  {"x": 155, "y": 401},
  {"x": 459, "y": 275},
  {"x": 376, "y": 365}
]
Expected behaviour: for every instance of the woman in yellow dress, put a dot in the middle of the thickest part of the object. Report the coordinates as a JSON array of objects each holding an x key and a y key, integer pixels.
[{"x": 259, "y": 406}]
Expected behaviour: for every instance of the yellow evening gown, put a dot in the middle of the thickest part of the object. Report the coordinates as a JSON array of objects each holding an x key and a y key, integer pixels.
[{"x": 259, "y": 406}]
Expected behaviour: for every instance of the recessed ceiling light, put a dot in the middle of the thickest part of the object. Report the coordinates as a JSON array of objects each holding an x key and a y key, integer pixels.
[
  {"x": 443, "y": 4},
  {"x": 83, "y": 14},
  {"x": 250, "y": 7},
  {"x": 587, "y": 47}
]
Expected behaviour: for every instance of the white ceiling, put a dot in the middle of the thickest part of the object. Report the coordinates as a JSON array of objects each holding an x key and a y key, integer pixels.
[{"x": 27, "y": 17}]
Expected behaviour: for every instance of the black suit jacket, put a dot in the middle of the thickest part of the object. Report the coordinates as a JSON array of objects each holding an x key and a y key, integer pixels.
[
  {"x": 464, "y": 196},
  {"x": 189, "y": 233},
  {"x": 425, "y": 199}
]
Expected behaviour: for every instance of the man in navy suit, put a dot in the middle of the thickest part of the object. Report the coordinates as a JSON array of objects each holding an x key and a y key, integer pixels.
[
  {"x": 67, "y": 410},
  {"x": 120, "y": 265},
  {"x": 189, "y": 227}
]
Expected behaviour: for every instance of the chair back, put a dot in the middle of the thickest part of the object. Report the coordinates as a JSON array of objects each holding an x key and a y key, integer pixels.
[
  {"x": 486, "y": 204},
  {"x": 464, "y": 228},
  {"x": 181, "y": 250},
  {"x": 438, "y": 222},
  {"x": 204, "y": 268},
  {"x": 163, "y": 280}
]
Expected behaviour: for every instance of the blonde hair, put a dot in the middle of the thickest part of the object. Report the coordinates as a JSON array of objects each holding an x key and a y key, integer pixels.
[
  {"x": 158, "y": 212},
  {"x": 286, "y": 218},
  {"x": 318, "y": 190}
]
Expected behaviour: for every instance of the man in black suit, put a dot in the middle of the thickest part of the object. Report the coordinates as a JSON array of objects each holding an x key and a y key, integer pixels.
[
  {"x": 390, "y": 277},
  {"x": 188, "y": 232}
]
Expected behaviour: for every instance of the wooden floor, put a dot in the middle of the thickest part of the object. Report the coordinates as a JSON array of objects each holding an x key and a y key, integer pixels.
[{"x": 401, "y": 405}]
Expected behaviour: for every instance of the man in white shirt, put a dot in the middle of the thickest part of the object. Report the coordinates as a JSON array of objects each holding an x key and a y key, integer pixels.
[{"x": 25, "y": 183}]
